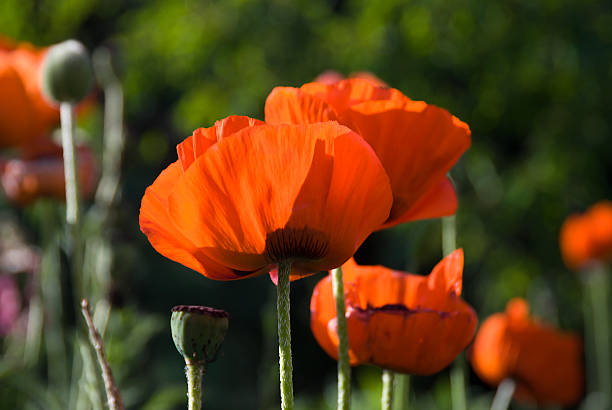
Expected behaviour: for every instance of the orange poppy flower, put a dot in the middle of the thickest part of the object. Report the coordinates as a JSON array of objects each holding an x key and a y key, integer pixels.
[
  {"x": 244, "y": 195},
  {"x": 545, "y": 364},
  {"x": 588, "y": 237},
  {"x": 25, "y": 180},
  {"x": 417, "y": 143},
  {"x": 399, "y": 321},
  {"x": 24, "y": 113}
]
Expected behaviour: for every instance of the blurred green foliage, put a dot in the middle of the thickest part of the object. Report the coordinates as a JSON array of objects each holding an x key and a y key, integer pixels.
[{"x": 533, "y": 79}]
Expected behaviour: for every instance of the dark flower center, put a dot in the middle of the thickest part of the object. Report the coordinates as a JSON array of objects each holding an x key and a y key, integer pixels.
[{"x": 296, "y": 243}]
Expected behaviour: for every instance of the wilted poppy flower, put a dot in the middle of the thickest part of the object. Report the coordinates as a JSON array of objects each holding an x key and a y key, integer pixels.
[
  {"x": 396, "y": 320},
  {"x": 545, "y": 363},
  {"x": 25, "y": 180},
  {"x": 245, "y": 195},
  {"x": 588, "y": 237},
  {"x": 10, "y": 304},
  {"x": 24, "y": 113},
  {"x": 417, "y": 143}
]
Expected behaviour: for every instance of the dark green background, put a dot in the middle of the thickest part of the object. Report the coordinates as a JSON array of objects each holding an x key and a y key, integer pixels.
[{"x": 533, "y": 79}]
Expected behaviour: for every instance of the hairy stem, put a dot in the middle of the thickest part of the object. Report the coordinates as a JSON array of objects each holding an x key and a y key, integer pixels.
[
  {"x": 194, "y": 372},
  {"x": 386, "y": 398},
  {"x": 284, "y": 335},
  {"x": 344, "y": 367}
]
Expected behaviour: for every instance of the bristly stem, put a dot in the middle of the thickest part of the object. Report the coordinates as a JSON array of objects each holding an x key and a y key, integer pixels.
[
  {"x": 386, "y": 399},
  {"x": 115, "y": 402},
  {"x": 194, "y": 372},
  {"x": 449, "y": 234},
  {"x": 284, "y": 335},
  {"x": 344, "y": 367},
  {"x": 503, "y": 396}
]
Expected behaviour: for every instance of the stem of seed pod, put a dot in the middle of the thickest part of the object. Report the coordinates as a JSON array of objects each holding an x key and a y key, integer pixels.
[
  {"x": 344, "y": 367},
  {"x": 449, "y": 235},
  {"x": 70, "y": 168},
  {"x": 284, "y": 335},
  {"x": 503, "y": 396},
  {"x": 194, "y": 372},
  {"x": 386, "y": 399}
]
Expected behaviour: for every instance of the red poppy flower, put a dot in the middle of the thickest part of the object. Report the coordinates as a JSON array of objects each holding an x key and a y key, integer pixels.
[
  {"x": 399, "y": 321},
  {"x": 25, "y": 180},
  {"x": 588, "y": 237},
  {"x": 545, "y": 364},
  {"x": 417, "y": 143},
  {"x": 332, "y": 77},
  {"x": 24, "y": 113},
  {"x": 244, "y": 195}
]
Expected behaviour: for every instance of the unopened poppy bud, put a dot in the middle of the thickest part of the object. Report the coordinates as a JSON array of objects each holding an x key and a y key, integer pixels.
[
  {"x": 198, "y": 332},
  {"x": 66, "y": 72}
]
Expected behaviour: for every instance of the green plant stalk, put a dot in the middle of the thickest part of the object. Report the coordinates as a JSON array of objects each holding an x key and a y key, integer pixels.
[
  {"x": 284, "y": 335},
  {"x": 597, "y": 284},
  {"x": 194, "y": 372},
  {"x": 401, "y": 398},
  {"x": 503, "y": 396},
  {"x": 344, "y": 367},
  {"x": 449, "y": 234},
  {"x": 457, "y": 373},
  {"x": 386, "y": 398}
]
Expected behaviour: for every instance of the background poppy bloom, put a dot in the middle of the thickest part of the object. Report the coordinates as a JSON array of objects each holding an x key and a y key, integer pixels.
[
  {"x": 588, "y": 237},
  {"x": 399, "y": 321},
  {"x": 545, "y": 364},
  {"x": 24, "y": 113},
  {"x": 244, "y": 195},
  {"x": 332, "y": 77},
  {"x": 25, "y": 180},
  {"x": 417, "y": 143}
]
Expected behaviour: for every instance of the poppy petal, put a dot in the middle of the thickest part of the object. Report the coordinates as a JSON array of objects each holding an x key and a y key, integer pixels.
[
  {"x": 439, "y": 201},
  {"x": 287, "y": 105},
  {"x": 417, "y": 144},
  {"x": 204, "y": 138},
  {"x": 155, "y": 222},
  {"x": 247, "y": 213}
]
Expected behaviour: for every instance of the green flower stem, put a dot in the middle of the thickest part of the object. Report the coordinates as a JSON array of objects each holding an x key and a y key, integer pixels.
[
  {"x": 401, "y": 399},
  {"x": 386, "y": 398},
  {"x": 449, "y": 234},
  {"x": 597, "y": 283},
  {"x": 194, "y": 372},
  {"x": 457, "y": 374},
  {"x": 284, "y": 335},
  {"x": 344, "y": 367},
  {"x": 503, "y": 396}
]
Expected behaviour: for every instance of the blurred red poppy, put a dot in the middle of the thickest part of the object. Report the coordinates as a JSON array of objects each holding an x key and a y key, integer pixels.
[
  {"x": 24, "y": 114},
  {"x": 417, "y": 143},
  {"x": 245, "y": 195},
  {"x": 399, "y": 321},
  {"x": 332, "y": 77},
  {"x": 545, "y": 363},
  {"x": 588, "y": 237},
  {"x": 25, "y": 180}
]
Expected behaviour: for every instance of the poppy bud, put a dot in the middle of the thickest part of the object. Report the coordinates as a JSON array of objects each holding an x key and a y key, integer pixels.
[
  {"x": 66, "y": 72},
  {"x": 198, "y": 332}
]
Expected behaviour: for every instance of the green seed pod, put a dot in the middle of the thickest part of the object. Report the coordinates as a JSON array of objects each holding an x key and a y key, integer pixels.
[
  {"x": 198, "y": 332},
  {"x": 66, "y": 72}
]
